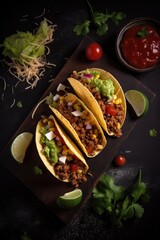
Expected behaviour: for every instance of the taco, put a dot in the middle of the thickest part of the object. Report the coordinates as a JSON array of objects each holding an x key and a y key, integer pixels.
[
  {"x": 103, "y": 94},
  {"x": 80, "y": 123},
  {"x": 59, "y": 153}
]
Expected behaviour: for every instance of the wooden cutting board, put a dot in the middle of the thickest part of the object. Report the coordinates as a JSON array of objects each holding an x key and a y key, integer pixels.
[{"x": 46, "y": 187}]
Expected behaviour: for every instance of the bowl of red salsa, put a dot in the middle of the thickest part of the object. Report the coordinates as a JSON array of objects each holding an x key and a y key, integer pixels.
[{"x": 138, "y": 44}]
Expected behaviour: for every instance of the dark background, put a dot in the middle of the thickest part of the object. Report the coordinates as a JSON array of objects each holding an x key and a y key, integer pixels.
[{"x": 20, "y": 210}]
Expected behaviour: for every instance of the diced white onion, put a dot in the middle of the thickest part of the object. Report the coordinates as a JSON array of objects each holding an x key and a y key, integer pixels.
[
  {"x": 88, "y": 126},
  {"x": 56, "y": 97},
  {"x": 69, "y": 103},
  {"x": 77, "y": 113},
  {"x": 62, "y": 159},
  {"x": 50, "y": 135},
  {"x": 61, "y": 87}
]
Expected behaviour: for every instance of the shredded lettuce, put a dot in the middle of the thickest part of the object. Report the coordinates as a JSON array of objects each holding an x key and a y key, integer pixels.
[
  {"x": 26, "y": 53},
  {"x": 23, "y": 46}
]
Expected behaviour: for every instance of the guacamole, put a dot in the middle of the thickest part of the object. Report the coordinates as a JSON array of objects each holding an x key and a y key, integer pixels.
[
  {"x": 105, "y": 87},
  {"x": 50, "y": 150}
]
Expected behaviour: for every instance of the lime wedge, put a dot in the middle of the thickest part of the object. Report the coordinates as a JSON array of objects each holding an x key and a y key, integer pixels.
[
  {"x": 138, "y": 102},
  {"x": 70, "y": 199},
  {"x": 20, "y": 145}
]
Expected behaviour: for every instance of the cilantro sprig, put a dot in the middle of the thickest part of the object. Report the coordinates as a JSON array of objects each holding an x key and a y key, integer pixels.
[
  {"x": 143, "y": 32},
  {"x": 120, "y": 205},
  {"x": 99, "y": 21}
]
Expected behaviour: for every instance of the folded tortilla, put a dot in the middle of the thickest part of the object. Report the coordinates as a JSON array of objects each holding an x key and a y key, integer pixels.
[
  {"x": 59, "y": 153},
  {"x": 80, "y": 123},
  {"x": 100, "y": 90}
]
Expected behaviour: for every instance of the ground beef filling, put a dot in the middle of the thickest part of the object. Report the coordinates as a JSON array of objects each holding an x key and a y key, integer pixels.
[
  {"x": 63, "y": 171},
  {"x": 90, "y": 138},
  {"x": 112, "y": 121},
  {"x": 73, "y": 169}
]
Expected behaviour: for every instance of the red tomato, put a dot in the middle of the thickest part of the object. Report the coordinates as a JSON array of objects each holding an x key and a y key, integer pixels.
[
  {"x": 111, "y": 110},
  {"x": 93, "y": 51},
  {"x": 120, "y": 160},
  {"x": 74, "y": 167},
  {"x": 90, "y": 149}
]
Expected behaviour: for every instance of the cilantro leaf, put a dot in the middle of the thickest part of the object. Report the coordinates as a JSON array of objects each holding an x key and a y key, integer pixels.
[
  {"x": 101, "y": 30},
  {"x": 116, "y": 17},
  {"x": 143, "y": 32},
  {"x": 113, "y": 199},
  {"x": 153, "y": 132},
  {"x": 83, "y": 28},
  {"x": 100, "y": 18},
  {"x": 37, "y": 170},
  {"x": 19, "y": 104},
  {"x": 99, "y": 21},
  {"x": 139, "y": 189}
]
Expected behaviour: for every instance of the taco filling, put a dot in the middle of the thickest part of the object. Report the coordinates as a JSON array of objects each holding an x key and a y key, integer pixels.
[
  {"x": 66, "y": 165},
  {"x": 104, "y": 93},
  {"x": 82, "y": 122}
]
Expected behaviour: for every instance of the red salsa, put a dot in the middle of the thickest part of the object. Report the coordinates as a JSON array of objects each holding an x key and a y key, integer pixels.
[{"x": 140, "y": 46}]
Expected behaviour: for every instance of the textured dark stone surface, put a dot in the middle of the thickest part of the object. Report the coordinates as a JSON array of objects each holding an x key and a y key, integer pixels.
[{"x": 20, "y": 210}]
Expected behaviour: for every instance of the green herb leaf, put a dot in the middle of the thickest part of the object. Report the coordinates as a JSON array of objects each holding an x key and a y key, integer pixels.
[
  {"x": 100, "y": 18},
  {"x": 99, "y": 22},
  {"x": 153, "y": 132},
  {"x": 113, "y": 199},
  {"x": 127, "y": 210},
  {"x": 37, "y": 170},
  {"x": 138, "y": 210},
  {"x": 139, "y": 188},
  {"x": 143, "y": 32},
  {"x": 19, "y": 104},
  {"x": 116, "y": 17},
  {"x": 83, "y": 28}
]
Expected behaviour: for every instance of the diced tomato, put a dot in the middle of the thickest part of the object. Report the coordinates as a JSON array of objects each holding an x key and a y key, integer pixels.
[
  {"x": 74, "y": 167},
  {"x": 75, "y": 159},
  {"x": 90, "y": 148},
  {"x": 111, "y": 110}
]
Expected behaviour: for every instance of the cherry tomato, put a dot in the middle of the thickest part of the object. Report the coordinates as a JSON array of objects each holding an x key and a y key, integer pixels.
[
  {"x": 111, "y": 110},
  {"x": 120, "y": 160},
  {"x": 93, "y": 51}
]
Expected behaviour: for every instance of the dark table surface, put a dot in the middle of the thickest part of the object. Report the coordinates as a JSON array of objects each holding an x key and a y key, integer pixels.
[{"x": 20, "y": 210}]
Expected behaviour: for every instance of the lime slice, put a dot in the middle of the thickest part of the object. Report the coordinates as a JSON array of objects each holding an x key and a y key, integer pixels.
[
  {"x": 138, "y": 102},
  {"x": 19, "y": 146},
  {"x": 70, "y": 199}
]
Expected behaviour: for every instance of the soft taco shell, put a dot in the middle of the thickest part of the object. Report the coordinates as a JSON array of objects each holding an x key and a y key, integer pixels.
[
  {"x": 92, "y": 120},
  {"x": 67, "y": 140},
  {"x": 87, "y": 97}
]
